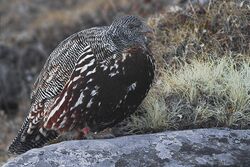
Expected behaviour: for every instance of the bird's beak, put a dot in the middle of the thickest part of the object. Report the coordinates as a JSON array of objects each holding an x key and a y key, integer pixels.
[{"x": 148, "y": 32}]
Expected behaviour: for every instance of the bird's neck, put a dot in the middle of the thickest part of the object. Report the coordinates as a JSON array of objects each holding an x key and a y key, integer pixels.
[{"x": 106, "y": 46}]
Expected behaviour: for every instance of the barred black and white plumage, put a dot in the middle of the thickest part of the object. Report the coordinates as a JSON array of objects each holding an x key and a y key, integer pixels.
[{"x": 95, "y": 78}]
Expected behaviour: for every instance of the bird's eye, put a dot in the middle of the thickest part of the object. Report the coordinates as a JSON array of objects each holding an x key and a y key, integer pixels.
[{"x": 132, "y": 26}]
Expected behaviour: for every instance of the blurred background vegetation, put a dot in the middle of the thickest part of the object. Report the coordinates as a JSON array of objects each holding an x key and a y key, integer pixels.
[{"x": 202, "y": 51}]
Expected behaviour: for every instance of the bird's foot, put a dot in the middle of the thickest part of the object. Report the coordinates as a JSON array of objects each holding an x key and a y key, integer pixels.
[{"x": 86, "y": 133}]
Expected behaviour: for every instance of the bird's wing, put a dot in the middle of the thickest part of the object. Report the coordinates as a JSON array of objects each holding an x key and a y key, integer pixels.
[
  {"x": 53, "y": 78},
  {"x": 58, "y": 69},
  {"x": 94, "y": 85}
]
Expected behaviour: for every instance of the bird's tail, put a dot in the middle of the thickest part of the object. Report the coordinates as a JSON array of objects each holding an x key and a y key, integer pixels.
[{"x": 25, "y": 141}]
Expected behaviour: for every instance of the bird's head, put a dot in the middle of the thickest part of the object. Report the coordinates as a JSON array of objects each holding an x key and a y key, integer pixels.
[{"x": 127, "y": 31}]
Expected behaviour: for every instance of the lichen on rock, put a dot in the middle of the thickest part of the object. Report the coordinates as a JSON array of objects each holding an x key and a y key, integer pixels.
[{"x": 209, "y": 147}]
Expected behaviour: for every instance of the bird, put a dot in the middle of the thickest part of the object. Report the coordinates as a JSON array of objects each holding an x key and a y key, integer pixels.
[{"x": 93, "y": 79}]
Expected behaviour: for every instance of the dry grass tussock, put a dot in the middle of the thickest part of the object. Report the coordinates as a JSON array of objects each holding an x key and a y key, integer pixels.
[
  {"x": 200, "y": 94},
  {"x": 203, "y": 70}
]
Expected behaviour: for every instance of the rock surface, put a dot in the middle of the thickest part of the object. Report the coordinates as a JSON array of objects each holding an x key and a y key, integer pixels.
[{"x": 201, "y": 147}]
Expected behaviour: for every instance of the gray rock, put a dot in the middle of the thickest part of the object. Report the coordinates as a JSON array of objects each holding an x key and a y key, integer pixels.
[{"x": 201, "y": 147}]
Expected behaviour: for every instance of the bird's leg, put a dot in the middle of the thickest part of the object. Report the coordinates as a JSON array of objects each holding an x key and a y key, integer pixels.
[{"x": 86, "y": 132}]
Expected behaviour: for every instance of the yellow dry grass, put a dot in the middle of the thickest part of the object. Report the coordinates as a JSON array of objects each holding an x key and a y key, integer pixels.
[{"x": 203, "y": 69}]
